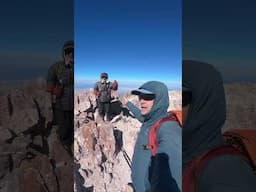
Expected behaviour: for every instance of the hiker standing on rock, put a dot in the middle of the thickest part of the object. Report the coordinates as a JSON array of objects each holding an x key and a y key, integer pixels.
[
  {"x": 102, "y": 91},
  {"x": 161, "y": 171},
  {"x": 60, "y": 83},
  {"x": 209, "y": 163}
]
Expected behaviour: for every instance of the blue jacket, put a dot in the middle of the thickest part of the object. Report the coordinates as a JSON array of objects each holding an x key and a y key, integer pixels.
[{"x": 169, "y": 136}]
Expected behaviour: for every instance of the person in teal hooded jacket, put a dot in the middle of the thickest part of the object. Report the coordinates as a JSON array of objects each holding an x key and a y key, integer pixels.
[{"x": 164, "y": 171}]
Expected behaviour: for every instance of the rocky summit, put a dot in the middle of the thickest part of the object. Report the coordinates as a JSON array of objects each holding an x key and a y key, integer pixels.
[{"x": 33, "y": 159}]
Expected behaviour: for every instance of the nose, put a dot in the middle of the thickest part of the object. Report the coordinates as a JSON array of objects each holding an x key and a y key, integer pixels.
[{"x": 141, "y": 100}]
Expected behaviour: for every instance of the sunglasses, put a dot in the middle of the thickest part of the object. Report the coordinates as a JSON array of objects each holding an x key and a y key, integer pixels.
[
  {"x": 68, "y": 51},
  {"x": 146, "y": 97}
]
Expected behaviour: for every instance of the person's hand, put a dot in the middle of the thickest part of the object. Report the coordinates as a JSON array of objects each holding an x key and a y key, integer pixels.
[{"x": 124, "y": 100}]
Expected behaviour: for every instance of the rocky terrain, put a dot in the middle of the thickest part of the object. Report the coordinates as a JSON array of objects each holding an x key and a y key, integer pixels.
[
  {"x": 33, "y": 159},
  {"x": 31, "y": 155},
  {"x": 241, "y": 106}
]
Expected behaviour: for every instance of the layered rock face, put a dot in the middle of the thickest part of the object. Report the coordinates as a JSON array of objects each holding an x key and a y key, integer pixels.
[{"x": 32, "y": 157}]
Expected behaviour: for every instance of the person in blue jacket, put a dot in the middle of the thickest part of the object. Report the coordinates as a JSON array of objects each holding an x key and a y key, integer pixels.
[{"x": 162, "y": 172}]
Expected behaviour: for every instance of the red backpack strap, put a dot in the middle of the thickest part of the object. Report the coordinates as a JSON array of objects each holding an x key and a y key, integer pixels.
[
  {"x": 193, "y": 168},
  {"x": 178, "y": 115},
  {"x": 152, "y": 136},
  {"x": 245, "y": 141}
]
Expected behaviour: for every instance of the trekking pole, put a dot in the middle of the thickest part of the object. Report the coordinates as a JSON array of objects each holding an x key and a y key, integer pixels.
[{"x": 127, "y": 158}]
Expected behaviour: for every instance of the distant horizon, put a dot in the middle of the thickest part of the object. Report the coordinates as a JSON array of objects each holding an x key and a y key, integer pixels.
[
  {"x": 122, "y": 85},
  {"x": 40, "y": 78}
]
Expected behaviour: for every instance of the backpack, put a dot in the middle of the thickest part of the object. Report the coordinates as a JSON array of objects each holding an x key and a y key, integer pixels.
[
  {"x": 152, "y": 145},
  {"x": 240, "y": 142}
]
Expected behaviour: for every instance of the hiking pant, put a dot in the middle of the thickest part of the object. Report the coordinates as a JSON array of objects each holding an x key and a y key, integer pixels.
[
  {"x": 65, "y": 121},
  {"x": 54, "y": 118},
  {"x": 104, "y": 109}
]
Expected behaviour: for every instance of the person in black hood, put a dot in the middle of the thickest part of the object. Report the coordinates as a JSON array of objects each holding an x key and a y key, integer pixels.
[{"x": 204, "y": 113}]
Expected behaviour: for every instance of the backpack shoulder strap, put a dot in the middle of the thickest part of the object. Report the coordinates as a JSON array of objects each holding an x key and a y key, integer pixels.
[
  {"x": 178, "y": 115},
  {"x": 192, "y": 170},
  {"x": 152, "y": 136},
  {"x": 245, "y": 141}
]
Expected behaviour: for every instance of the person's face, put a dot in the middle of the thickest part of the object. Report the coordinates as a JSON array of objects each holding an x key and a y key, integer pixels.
[
  {"x": 103, "y": 79},
  {"x": 146, "y": 104}
]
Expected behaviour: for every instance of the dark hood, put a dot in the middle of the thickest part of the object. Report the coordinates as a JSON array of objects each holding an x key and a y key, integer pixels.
[
  {"x": 161, "y": 101},
  {"x": 207, "y": 112}
]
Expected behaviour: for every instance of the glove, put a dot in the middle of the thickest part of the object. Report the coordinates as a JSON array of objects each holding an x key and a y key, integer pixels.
[
  {"x": 160, "y": 176},
  {"x": 57, "y": 90},
  {"x": 97, "y": 93}
]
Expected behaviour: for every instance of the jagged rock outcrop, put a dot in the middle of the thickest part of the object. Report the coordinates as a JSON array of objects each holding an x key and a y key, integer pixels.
[{"x": 32, "y": 157}]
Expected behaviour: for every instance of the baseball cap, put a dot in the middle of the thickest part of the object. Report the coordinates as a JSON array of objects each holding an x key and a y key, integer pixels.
[
  {"x": 104, "y": 75},
  {"x": 144, "y": 94}
]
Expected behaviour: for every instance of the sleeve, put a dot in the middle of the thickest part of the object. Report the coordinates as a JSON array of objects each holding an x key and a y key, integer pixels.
[
  {"x": 170, "y": 143},
  {"x": 135, "y": 110},
  {"x": 160, "y": 176},
  {"x": 96, "y": 90},
  {"x": 51, "y": 79},
  {"x": 226, "y": 173}
]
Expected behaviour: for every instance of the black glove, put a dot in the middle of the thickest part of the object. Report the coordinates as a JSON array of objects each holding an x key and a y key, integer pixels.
[{"x": 160, "y": 176}]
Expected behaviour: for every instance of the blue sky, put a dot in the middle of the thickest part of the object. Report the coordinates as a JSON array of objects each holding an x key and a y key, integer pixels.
[
  {"x": 222, "y": 33},
  {"x": 130, "y": 40},
  {"x": 32, "y": 36}
]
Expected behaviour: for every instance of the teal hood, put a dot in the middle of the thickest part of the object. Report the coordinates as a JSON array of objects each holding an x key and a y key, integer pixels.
[{"x": 161, "y": 101}]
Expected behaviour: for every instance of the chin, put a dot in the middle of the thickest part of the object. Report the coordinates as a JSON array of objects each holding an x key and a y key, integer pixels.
[{"x": 144, "y": 112}]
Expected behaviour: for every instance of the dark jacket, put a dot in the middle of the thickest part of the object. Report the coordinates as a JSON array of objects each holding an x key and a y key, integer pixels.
[
  {"x": 202, "y": 132},
  {"x": 60, "y": 82},
  {"x": 169, "y": 136},
  {"x": 103, "y": 91}
]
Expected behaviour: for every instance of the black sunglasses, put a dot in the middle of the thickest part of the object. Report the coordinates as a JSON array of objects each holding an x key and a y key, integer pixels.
[
  {"x": 146, "y": 97},
  {"x": 68, "y": 51}
]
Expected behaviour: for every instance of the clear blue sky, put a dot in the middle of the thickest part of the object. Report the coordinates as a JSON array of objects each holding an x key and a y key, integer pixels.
[
  {"x": 131, "y": 40},
  {"x": 222, "y": 33}
]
